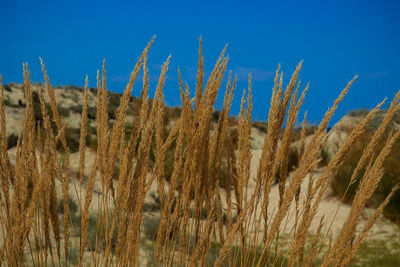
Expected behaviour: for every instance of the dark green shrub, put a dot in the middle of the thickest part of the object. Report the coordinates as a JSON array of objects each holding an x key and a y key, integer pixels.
[
  {"x": 73, "y": 87},
  {"x": 12, "y": 140},
  {"x": 260, "y": 125},
  {"x": 358, "y": 112},
  {"x": 73, "y": 206},
  {"x": 93, "y": 90},
  {"x": 150, "y": 227},
  {"x": 7, "y": 88},
  {"x": 390, "y": 178},
  {"x": 113, "y": 104},
  {"x": 396, "y": 117},
  {"x": 93, "y": 143},
  {"x": 73, "y": 256},
  {"x": 96, "y": 233},
  {"x": 171, "y": 114},
  {"x": 7, "y": 102},
  {"x": 91, "y": 111},
  {"x": 76, "y": 109},
  {"x": 293, "y": 162},
  {"x": 37, "y": 111},
  {"x": 169, "y": 163},
  {"x": 152, "y": 206},
  {"x": 324, "y": 158},
  {"x": 72, "y": 136},
  {"x": 215, "y": 115},
  {"x": 63, "y": 112}
]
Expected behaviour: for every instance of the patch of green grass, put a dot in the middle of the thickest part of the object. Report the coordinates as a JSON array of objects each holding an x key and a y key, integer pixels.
[
  {"x": 245, "y": 257},
  {"x": 377, "y": 253}
]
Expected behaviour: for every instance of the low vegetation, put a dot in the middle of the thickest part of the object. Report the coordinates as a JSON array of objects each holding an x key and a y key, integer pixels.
[{"x": 391, "y": 175}]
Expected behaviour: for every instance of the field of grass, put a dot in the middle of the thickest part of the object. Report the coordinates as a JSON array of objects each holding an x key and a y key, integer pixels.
[{"x": 208, "y": 209}]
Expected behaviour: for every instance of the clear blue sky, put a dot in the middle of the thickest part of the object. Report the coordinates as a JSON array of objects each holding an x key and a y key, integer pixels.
[{"x": 336, "y": 39}]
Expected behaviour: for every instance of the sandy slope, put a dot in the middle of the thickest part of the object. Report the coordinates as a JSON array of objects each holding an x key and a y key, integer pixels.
[{"x": 329, "y": 204}]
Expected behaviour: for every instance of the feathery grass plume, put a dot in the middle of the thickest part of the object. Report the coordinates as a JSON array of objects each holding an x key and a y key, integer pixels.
[
  {"x": 326, "y": 177},
  {"x": 141, "y": 171},
  {"x": 244, "y": 156},
  {"x": 203, "y": 119},
  {"x": 191, "y": 181},
  {"x": 205, "y": 108},
  {"x": 219, "y": 134},
  {"x": 199, "y": 80},
  {"x": 5, "y": 176},
  {"x": 283, "y": 150},
  {"x": 200, "y": 248},
  {"x": 102, "y": 125},
  {"x": 5, "y": 173},
  {"x": 164, "y": 224},
  {"x": 159, "y": 169},
  {"x": 126, "y": 175},
  {"x": 25, "y": 173},
  {"x": 126, "y": 193},
  {"x": 303, "y": 135},
  {"x": 324, "y": 181},
  {"x": 251, "y": 205},
  {"x": 215, "y": 152},
  {"x": 185, "y": 197},
  {"x": 231, "y": 177},
  {"x": 313, "y": 249},
  {"x": 121, "y": 114},
  {"x": 85, "y": 211},
  {"x": 279, "y": 103},
  {"x": 118, "y": 127},
  {"x": 277, "y": 92},
  {"x": 48, "y": 197},
  {"x": 117, "y": 131},
  {"x": 271, "y": 139},
  {"x": 82, "y": 140},
  {"x": 65, "y": 183},
  {"x": 307, "y": 162},
  {"x": 44, "y": 198},
  {"x": 299, "y": 154}
]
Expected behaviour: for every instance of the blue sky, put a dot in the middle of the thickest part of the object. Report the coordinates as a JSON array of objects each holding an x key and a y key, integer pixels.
[{"x": 336, "y": 40}]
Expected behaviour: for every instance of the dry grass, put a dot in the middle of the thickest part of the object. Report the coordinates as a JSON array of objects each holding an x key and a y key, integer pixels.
[{"x": 198, "y": 224}]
